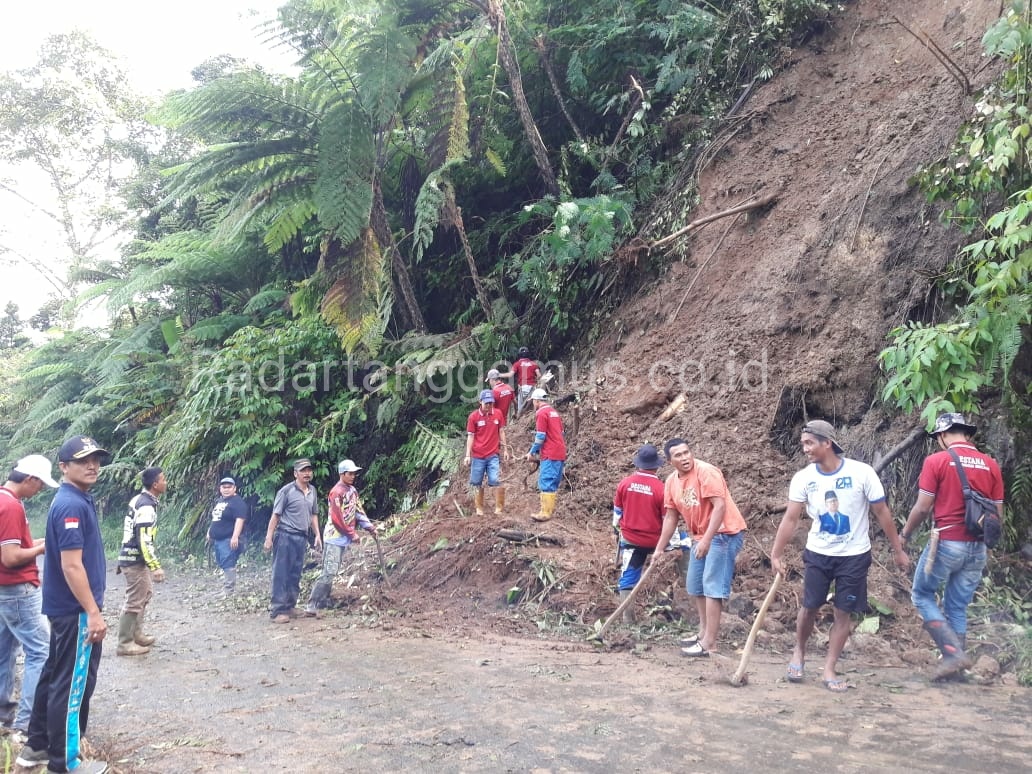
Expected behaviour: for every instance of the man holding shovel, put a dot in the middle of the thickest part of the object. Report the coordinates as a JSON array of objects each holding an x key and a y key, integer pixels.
[
  {"x": 838, "y": 550},
  {"x": 638, "y": 515}
]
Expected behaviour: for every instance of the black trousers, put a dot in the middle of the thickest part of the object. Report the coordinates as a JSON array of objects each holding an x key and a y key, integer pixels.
[{"x": 62, "y": 703}]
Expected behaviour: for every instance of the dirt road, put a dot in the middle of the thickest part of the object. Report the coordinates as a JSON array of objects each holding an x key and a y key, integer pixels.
[{"x": 224, "y": 690}]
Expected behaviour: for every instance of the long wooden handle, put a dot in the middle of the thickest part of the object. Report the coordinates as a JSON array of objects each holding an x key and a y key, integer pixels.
[
  {"x": 750, "y": 643},
  {"x": 628, "y": 600}
]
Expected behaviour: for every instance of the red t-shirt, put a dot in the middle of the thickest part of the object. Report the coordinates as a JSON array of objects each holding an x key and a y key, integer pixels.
[
  {"x": 14, "y": 528},
  {"x": 527, "y": 371},
  {"x": 640, "y": 497},
  {"x": 504, "y": 395},
  {"x": 940, "y": 480},
  {"x": 485, "y": 429},
  {"x": 548, "y": 421}
]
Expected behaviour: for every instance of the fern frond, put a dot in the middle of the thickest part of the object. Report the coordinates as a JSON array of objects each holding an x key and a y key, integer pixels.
[{"x": 347, "y": 161}]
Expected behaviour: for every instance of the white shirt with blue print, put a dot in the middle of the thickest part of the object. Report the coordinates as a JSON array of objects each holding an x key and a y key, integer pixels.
[{"x": 839, "y": 505}]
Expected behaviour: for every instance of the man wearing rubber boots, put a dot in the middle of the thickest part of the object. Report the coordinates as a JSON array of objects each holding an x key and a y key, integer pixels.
[
  {"x": 138, "y": 562},
  {"x": 638, "y": 518},
  {"x": 960, "y": 556},
  {"x": 550, "y": 446},
  {"x": 485, "y": 438}
]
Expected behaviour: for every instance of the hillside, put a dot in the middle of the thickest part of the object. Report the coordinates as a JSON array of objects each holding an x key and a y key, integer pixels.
[{"x": 803, "y": 291}]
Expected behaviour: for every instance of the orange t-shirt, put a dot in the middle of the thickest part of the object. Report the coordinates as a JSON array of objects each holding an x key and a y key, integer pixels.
[{"x": 690, "y": 496}]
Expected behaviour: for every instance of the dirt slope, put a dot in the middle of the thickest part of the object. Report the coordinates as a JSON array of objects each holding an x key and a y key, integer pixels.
[{"x": 784, "y": 311}]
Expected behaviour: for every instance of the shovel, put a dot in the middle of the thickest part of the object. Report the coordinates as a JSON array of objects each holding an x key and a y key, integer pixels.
[
  {"x": 628, "y": 600},
  {"x": 379, "y": 553},
  {"x": 739, "y": 678}
]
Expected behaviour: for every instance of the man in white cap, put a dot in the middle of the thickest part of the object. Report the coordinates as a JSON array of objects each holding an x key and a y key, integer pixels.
[
  {"x": 550, "y": 446},
  {"x": 346, "y": 512},
  {"x": 21, "y": 619}
]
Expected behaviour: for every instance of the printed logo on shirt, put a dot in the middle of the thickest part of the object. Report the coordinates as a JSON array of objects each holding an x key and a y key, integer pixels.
[
  {"x": 644, "y": 489},
  {"x": 689, "y": 497},
  {"x": 844, "y": 482},
  {"x": 71, "y": 522}
]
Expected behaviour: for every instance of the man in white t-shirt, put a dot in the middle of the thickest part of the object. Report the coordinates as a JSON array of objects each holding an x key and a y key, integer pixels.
[{"x": 838, "y": 495}]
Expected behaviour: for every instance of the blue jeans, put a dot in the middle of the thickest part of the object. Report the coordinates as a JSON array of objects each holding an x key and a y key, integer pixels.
[
  {"x": 288, "y": 558},
  {"x": 550, "y": 475},
  {"x": 492, "y": 466},
  {"x": 711, "y": 576},
  {"x": 958, "y": 566},
  {"x": 22, "y": 622},
  {"x": 226, "y": 557}
]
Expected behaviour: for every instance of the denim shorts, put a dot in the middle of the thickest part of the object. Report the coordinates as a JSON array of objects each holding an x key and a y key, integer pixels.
[
  {"x": 711, "y": 576},
  {"x": 479, "y": 465},
  {"x": 849, "y": 574}
]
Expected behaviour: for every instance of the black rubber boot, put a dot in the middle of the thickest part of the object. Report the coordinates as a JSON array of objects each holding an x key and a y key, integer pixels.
[{"x": 954, "y": 659}]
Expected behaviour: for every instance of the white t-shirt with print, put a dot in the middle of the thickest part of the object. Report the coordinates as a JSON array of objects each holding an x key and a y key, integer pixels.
[{"x": 839, "y": 505}]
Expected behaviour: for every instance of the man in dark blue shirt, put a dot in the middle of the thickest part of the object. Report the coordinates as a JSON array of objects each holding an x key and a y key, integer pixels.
[{"x": 74, "y": 580}]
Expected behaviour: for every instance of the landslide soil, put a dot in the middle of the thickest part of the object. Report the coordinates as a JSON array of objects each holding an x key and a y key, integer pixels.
[{"x": 434, "y": 670}]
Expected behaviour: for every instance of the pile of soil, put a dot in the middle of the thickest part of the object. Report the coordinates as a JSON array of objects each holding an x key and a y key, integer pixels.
[{"x": 767, "y": 319}]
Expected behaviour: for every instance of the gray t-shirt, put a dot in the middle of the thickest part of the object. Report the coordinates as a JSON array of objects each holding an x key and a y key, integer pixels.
[{"x": 295, "y": 508}]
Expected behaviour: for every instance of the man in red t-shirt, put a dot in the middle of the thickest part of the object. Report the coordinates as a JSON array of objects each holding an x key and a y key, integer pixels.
[
  {"x": 959, "y": 557},
  {"x": 485, "y": 437},
  {"x": 21, "y": 617},
  {"x": 550, "y": 447},
  {"x": 504, "y": 394},
  {"x": 638, "y": 516},
  {"x": 527, "y": 374}
]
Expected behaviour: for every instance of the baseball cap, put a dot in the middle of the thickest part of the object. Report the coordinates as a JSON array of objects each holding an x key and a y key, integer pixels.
[
  {"x": 38, "y": 466},
  {"x": 486, "y": 396},
  {"x": 494, "y": 373},
  {"x": 347, "y": 466},
  {"x": 301, "y": 464},
  {"x": 946, "y": 422},
  {"x": 79, "y": 447},
  {"x": 539, "y": 394},
  {"x": 825, "y": 430},
  {"x": 228, "y": 480}
]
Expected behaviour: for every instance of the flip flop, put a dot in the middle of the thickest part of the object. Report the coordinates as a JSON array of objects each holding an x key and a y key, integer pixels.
[
  {"x": 837, "y": 686},
  {"x": 794, "y": 673},
  {"x": 696, "y": 651},
  {"x": 691, "y": 639}
]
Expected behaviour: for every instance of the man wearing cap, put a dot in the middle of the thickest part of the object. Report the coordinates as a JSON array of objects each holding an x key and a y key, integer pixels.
[
  {"x": 21, "y": 619},
  {"x": 550, "y": 445},
  {"x": 228, "y": 518},
  {"x": 697, "y": 491},
  {"x": 832, "y": 555},
  {"x": 138, "y": 561},
  {"x": 74, "y": 581},
  {"x": 527, "y": 374},
  {"x": 295, "y": 512},
  {"x": 345, "y": 512},
  {"x": 960, "y": 556},
  {"x": 638, "y": 517},
  {"x": 485, "y": 437},
  {"x": 503, "y": 393}
]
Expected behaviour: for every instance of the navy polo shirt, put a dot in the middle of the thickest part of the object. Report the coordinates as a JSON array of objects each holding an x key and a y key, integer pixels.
[{"x": 72, "y": 524}]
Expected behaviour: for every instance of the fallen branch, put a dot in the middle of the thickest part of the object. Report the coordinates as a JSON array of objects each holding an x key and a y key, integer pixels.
[
  {"x": 763, "y": 201},
  {"x": 944, "y": 59},
  {"x": 917, "y": 434},
  {"x": 519, "y": 536},
  {"x": 705, "y": 263}
]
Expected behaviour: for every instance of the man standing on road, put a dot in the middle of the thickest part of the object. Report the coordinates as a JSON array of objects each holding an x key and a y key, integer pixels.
[
  {"x": 960, "y": 557},
  {"x": 21, "y": 619},
  {"x": 138, "y": 562},
  {"x": 638, "y": 519},
  {"x": 295, "y": 512},
  {"x": 228, "y": 517},
  {"x": 74, "y": 581},
  {"x": 697, "y": 491},
  {"x": 345, "y": 512},
  {"x": 485, "y": 438},
  {"x": 503, "y": 394},
  {"x": 832, "y": 556},
  {"x": 550, "y": 445}
]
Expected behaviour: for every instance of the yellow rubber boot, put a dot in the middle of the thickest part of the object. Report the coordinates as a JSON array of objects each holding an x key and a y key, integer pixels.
[
  {"x": 499, "y": 500},
  {"x": 478, "y": 499},
  {"x": 547, "y": 507}
]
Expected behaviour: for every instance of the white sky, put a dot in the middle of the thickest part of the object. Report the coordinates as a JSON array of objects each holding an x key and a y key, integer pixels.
[{"x": 158, "y": 43}]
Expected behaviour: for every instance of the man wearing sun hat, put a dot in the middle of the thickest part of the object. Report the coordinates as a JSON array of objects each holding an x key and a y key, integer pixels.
[
  {"x": 21, "y": 618},
  {"x": 960, "y": 557},
  {"x": 838, "y": 550},
  {"x": 74, "y": 581},
  {"x": 228, "y": 518},
  {"x": 485, "y": 438},
  {"x": 346, "y": 512},
  {"x": 295, "y": 512}
]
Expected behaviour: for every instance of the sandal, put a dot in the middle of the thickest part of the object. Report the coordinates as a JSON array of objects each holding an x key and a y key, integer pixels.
[
  {"x": 691, "y": 639},
  {"x": 794, "y": 673},
  {"x": 696, "y": 651},
  {"x": 837, "y": 685}
]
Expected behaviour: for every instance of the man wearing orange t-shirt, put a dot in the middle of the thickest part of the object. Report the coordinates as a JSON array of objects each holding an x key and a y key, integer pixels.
[{"x": 697, "y": 491}]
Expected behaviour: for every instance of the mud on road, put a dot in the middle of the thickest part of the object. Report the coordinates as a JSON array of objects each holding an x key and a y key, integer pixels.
[{"x": 224, "y": 690}]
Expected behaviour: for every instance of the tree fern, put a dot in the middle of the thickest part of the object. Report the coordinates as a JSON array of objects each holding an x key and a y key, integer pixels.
[
  {"x": 430, "y": 450},
  {"x": 347, "y": 160}
]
